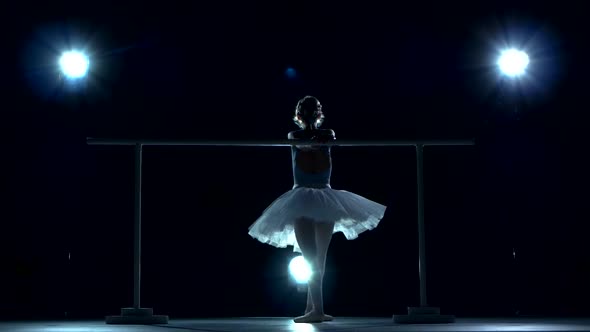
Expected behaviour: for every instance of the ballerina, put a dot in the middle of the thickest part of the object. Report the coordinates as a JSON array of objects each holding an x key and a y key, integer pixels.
[{"x": 306, "y": 216}]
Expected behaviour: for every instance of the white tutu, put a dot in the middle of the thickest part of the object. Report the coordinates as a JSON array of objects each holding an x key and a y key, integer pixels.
[{"x": 352, "y": 214}]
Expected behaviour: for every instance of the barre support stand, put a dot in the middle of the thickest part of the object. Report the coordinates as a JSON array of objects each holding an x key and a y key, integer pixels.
[
  {"x": 136, "y": 314},
  {"x": 423, "y": 314}
]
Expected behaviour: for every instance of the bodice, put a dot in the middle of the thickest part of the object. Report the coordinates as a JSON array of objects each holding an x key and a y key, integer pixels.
[{"x": 311, "y": 168}]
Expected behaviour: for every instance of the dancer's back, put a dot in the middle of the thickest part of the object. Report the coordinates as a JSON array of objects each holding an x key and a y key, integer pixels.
[{"x": 312, "y": 165}]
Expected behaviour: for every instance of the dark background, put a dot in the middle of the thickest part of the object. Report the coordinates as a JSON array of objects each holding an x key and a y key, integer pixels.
[{"x": 505, "y": 219}]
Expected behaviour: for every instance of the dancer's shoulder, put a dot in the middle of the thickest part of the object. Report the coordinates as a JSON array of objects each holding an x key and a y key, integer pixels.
[
  {"x": 298, "y": 134},
  {"x": 325, "y": 134},
  {"x": 329, "y": 132}
]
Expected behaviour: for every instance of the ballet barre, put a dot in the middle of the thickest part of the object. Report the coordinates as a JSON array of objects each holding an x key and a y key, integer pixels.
[{"x": 138, "y": 315}]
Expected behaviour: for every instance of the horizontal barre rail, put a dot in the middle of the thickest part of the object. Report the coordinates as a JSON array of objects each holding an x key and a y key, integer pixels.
[{"x": 285, "y": 142}]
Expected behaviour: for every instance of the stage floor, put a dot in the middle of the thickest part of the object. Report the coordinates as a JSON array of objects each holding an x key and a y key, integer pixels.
[{"x": 278, "y": 324}]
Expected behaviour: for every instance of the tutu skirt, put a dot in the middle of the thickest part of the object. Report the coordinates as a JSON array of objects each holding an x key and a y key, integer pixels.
[{"x": 351, "y": 213}]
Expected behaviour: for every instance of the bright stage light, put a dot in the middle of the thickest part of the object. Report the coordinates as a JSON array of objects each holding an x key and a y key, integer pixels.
[
  {"x": 513, "y": 62},
  {"x": 300, "y": 270},
  {"x": 74, "y": 64}
]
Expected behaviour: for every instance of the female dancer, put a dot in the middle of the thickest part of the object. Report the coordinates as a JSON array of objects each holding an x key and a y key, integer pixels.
[{"x": 307, "y": 215}]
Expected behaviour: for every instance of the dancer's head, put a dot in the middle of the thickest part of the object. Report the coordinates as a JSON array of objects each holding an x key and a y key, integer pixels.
[{"x": 308, "y": 113}]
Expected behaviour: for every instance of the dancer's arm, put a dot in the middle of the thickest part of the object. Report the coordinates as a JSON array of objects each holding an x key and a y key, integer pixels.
[
  {"x": 320, "y": 136},
  {"x": 295, "y": 135},
  {"x": 325, "y": 135}
]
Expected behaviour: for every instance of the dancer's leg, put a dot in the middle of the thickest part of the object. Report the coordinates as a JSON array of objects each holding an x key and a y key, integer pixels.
[
  {"x": 323, "y": 236},
  {"x": 305, "y": 235},
  {"x": 309, "y": 305}
]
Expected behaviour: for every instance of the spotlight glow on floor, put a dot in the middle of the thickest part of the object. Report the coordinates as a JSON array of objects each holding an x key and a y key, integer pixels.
[
  {"x": 513, "y": 62},
  {"x": 300, "y": 270},
  {"x": 74, "y": 64}
]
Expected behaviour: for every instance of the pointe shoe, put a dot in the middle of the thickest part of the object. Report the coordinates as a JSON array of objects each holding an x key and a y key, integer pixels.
[
  {"x": 326, "y": 318},
  {"x": 312, "y": 317}
]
